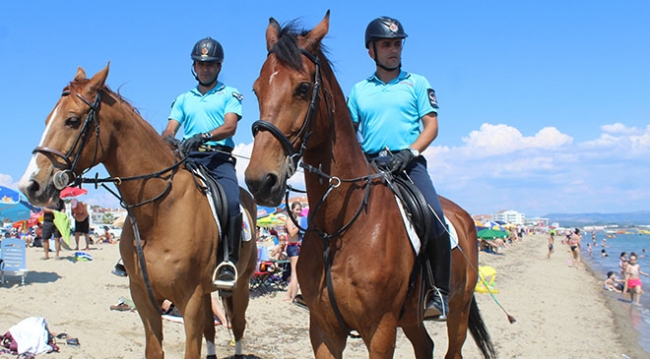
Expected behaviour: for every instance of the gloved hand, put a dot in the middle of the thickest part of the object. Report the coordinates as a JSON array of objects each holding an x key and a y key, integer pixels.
[
  {"x": 192, "y": 144},
  {"x": 400, "y": 161},
  {"x": 172, "y": 142}
]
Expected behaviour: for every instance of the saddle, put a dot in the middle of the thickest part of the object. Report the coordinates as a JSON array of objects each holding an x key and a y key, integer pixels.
[
  {"x": 207, "y": 184},
  {"x": 412, "y": 199}
]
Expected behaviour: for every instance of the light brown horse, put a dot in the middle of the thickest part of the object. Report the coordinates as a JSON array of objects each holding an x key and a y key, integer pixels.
[
  {"x": 91, "y": 124},
  {"x": 356, "y": 259}
]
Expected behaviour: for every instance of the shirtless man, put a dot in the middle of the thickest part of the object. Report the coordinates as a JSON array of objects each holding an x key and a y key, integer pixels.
[
  {"x": 633, "y": 279},
  {"x": 551, "y": 241},
  {"x": 81, "y": 222}
]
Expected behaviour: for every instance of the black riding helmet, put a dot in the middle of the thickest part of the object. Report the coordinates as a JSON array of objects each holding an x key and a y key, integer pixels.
[
  {"x": 207, "y": 50},
  {"x": 384, "y": 28}
]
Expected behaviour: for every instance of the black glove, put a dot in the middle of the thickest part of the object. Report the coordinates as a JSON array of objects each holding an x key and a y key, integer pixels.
[
  {"x": 172, "y": 142},
  {"x": 400, "y": 161},
  {"x": 192, "y": 144}
]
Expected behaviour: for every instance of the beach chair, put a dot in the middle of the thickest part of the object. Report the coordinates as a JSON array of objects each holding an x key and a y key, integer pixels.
[
  {"x": 259, "y": 279},
  {"x": 14, "y": 259}
]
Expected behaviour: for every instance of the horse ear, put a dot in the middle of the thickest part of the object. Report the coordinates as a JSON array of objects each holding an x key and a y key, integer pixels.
[
  {"x": 316, "y": 35},
  {"x": 97, "y": 82},
  {"x": 272, "y": 34},
  {"x": 80, "y": 75}
]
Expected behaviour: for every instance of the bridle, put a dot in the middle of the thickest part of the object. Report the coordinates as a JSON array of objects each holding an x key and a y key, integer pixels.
[
  {"x": 293, "y": 156},
  {"x": 63, "y": 178}
]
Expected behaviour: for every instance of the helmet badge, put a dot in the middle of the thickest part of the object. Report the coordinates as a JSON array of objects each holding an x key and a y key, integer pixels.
[
  {"x": 393, "y": 27},
  {"x": 205, "y": 50}
]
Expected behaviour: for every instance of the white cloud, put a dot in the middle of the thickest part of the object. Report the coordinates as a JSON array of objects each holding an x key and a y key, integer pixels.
[{"x": 491, "y": 140}]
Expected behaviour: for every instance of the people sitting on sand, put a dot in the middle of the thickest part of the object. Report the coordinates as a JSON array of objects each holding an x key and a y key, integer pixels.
[
  {"x": 279, "y": 251},
  {"x": 106, "y": 237},
  {"x": 612, "y": 283},
  {"x": 171, "y": 313},
  {"x": 633, "y": 279}
]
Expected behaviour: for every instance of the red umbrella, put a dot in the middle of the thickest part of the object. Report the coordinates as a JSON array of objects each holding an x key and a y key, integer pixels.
[{"x": 72, "y": 192}]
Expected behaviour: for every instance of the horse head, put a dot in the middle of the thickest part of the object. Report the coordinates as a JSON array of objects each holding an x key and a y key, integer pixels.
[
  {"x": 288, "y": 91},
  {"x": 71, "y": 141}
]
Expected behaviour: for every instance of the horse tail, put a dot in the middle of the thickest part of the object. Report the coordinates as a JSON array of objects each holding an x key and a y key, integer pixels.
[{"x": 479, "y": 331}]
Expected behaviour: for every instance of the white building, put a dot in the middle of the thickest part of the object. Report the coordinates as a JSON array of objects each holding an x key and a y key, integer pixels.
[{"x": 510, "y": 216}]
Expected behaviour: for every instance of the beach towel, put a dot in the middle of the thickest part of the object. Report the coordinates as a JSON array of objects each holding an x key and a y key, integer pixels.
[
  {"x": 62, "y": 223},
  {"x": 30, "y": 336}
]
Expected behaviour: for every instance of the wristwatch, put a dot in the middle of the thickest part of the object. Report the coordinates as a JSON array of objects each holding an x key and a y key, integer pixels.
[
  {"x": 207, "y": 136},
  {"x": 415, "y": 152}
]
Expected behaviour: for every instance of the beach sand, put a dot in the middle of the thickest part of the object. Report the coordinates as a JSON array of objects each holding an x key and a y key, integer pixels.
[{"x": 561, "y": 312}]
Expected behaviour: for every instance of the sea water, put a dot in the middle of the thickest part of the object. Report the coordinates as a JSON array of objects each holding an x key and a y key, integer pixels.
[{"x": 639, "y": 315}]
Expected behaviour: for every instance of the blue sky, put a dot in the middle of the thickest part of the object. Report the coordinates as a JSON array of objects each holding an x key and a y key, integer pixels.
[{"x": 544, "y": 105}]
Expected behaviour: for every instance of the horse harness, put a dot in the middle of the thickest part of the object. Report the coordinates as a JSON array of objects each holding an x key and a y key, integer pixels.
[{"x": 68, "y": 176}]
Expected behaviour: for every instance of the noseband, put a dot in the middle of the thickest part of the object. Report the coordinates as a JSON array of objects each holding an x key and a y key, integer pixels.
[
  {"x": 294, "y": 156},
  {"x": 63, "y": 178}
]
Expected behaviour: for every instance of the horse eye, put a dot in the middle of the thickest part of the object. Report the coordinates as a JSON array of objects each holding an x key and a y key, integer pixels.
[
  {"x": 73, "y": 122},
  {"x": 303, "y": 89}
]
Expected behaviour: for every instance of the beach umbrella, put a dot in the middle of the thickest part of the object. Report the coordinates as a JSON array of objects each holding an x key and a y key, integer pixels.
[
  {"x": 491, "y": 234},
  {"x": 72, "y": 192},
  {"x": 270, "y": 221},
  {"x": 8, "y": 196},
  {"x": 265, "y": 211}
]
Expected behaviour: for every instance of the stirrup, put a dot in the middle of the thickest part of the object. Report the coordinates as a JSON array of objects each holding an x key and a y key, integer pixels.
[
  {"x": 222, "y": 284},
  {"x": 433, "y": 313}
]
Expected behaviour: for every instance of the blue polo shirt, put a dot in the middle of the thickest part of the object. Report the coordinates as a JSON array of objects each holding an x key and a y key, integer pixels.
[
  {"x": 389, "y": 114},
  {"x": 199, "y": 113}
]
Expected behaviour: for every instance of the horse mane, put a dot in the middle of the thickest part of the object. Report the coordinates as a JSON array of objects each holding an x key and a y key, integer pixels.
[
  {"x": 77, "y": 86},
  {"x": 286, "y": 50}
]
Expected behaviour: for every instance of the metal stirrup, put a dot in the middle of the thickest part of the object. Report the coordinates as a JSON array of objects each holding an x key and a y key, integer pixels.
[{"x": 226, "y": 285}]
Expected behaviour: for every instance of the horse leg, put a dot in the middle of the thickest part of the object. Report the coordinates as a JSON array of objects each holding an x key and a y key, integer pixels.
[
  {"x": 459, "y": 306},
  {"x": 417, "y": 334},
  {"x": 382, "y": 342},
  {"x": 151, "y": 320},
  {"x": 194, "y": 323},
  {"x": 326, "y": 343},
  {"x": 236, "y": 309},
  {"x": 208, "y": 327}
]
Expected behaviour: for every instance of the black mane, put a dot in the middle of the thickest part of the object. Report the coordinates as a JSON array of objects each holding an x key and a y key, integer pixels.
[{"x": 286, "y": 49}]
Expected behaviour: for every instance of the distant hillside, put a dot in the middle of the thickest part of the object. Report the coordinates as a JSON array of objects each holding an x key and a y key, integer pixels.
[{"x": 587, "y": 219}]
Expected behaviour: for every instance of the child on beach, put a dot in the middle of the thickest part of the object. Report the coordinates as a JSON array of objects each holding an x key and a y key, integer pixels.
[
  {"x": 612, "y": 283},
  {"x": 633, "y": 279}
]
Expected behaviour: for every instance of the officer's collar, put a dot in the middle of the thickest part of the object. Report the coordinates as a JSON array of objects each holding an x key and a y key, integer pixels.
[
  {"x": 402, "y": 75},
  {"x": 220, "y": 86}
]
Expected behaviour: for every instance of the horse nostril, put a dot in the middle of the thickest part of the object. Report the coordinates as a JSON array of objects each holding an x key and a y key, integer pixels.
[
  {"x": 33, "y": 187},
  {"x": 271, "y": 180}
]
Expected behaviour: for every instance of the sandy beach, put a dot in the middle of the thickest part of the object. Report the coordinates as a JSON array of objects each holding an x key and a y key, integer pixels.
[{"x": 561, "y": 312}]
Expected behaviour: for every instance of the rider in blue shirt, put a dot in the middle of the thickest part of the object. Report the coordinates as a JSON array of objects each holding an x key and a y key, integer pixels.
[
  {"x": 397, "y": 111},
  {"x": 209, "y": 114}
]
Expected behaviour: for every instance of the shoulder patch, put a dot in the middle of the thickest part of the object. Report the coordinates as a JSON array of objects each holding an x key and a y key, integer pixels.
[
  {"x": 173, "y": 102},
  {"x": 238, "y": 96},
  {"x": 432, "y": 98}
]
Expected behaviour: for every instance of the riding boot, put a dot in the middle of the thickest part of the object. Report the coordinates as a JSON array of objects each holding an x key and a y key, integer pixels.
[
  {"x": 226, "y": 272},
  {"x": 439, "y": 252}
]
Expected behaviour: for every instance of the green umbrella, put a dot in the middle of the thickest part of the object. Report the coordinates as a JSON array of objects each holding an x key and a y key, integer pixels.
[
  {"x": 491, "y": 234},
  {"x": 270, "y": 221}
]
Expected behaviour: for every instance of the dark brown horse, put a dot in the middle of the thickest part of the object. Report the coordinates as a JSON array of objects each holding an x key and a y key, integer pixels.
[
  {"x": 89, "y": 125},
  {"x": 356, "y": 259}
]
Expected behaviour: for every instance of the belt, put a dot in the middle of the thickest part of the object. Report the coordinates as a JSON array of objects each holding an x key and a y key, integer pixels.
[{"x": 217, "y": 148}]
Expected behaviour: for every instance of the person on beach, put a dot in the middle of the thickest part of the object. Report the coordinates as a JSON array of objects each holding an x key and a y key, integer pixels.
[
  {"x": 612, "y": 283},
  {"x": 622, "y": 262},
  {"x": 633, "y": 279},
  {"x": 209, "y": 114},
  {"x": 293, "y": 249},
  {"x": 589, "y": 249},
  {"x": 49, "y": 229},
  {"x": 603, "y": 253},
  {"x": 396, "y": 115},
  {"x": 574, "y": 245},
  {"x": 551, "y": 241},
  {"x": 81, "y": 222}
]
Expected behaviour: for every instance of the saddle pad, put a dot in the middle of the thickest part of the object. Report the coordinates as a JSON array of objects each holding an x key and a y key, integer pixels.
[
  {"x": 246, "y": 233},
  {"x": 413, "y": 237}
]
